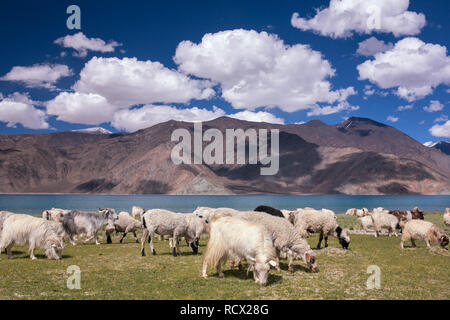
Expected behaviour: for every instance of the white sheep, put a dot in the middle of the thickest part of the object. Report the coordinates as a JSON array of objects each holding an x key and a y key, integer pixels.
[
  {"x": 322, "y": 222},
  {"x": 125, "y": 224},
  {"x": 447, "y": 217},
  {"x": 231, "y": 237},
  {"x": 164, "y": 222},
  {"x": 382, "y": 220},
  {"x": 357, "y": 212},
  {"x": 422, "y": 230},
  {"x": 366, "y": 223},
  {"x": 137, "y": 212},
  {"x": 284, "y": 236},
  {"x": 37, "y": 232}
]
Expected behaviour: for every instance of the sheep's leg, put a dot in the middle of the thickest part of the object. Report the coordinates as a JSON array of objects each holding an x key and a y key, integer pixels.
[
  {"x": 151, "y": 236},
  {"x": 405, "y": 237},
  {"x": 96, "y": 238},
  {"x": 135, "y": 237},
  {"x": 326, "y": 242},
  {"x": 32, "y": 246},
  {"x": 108, "y": 238},
  {"x": 124, "y": 235},
  {"x": 291, "y": 261},
  {"x": 428, "y": 243},
  {"x": 413, "y": 243},
  {"x": 278, "y": 259},
  {"x": 143, "y": 240},
  {"x": 320, "y": 240},
  {"x": 219, "y": 268},
  {"x": 9, "y": 251},
  {"x": 205, "y": 268},
  {"x": 72, "y": 241}
]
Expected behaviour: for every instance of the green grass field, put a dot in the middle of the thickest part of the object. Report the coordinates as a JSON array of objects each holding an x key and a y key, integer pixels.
[{"x": 117, "y": 271}]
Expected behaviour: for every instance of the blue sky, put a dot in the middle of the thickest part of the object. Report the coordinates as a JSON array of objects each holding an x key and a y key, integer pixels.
[{"x": 152, "y": 31}]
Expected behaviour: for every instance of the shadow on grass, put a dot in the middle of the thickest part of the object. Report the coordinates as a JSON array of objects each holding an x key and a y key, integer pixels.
[
  {"x": 242, "y": 274},
  {"x": 297, "y": 267}
]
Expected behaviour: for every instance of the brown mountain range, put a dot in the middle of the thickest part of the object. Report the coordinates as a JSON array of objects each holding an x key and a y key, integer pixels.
[{"x": 358, "y": 156}]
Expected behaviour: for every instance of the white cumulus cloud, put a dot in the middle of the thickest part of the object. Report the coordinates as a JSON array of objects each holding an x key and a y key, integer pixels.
[
  {"x": 149, "y": 115},
  {"x": 327, "y": 110},
  {"x": 434, "y": 106},
  {"x": 84, "y": 108},
  {"x": 21, "y": 111},
  {"x": 414, "y": 67},
  {"x": 260, "y": 116},
  {"x": 82, "y": 44},
  {"x": 372, "y": 46},
  {"x": 257, "y": 69},
  {"x": 344, "y": 17},
  {"x": 441, "y": 130},
  {"x": 404, "y": 108},
  {"x": 38, "y": 75},
  {"x": 128, "y": 82},
  {"x": 392, "y": 119}
]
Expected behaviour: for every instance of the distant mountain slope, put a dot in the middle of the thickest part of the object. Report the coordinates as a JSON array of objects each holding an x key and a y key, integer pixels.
[
  {"x": 359, "y": 156},
  {"x": 444, "y": 146}
]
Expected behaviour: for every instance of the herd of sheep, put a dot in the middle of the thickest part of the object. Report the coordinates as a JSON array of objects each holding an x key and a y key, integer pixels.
[{"x": 259, "y": 237}]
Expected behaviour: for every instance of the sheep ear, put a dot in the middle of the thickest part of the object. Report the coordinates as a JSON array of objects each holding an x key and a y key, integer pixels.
[
  {"x": 307, "y": 257},
  {"x": 272, "y": 263}
]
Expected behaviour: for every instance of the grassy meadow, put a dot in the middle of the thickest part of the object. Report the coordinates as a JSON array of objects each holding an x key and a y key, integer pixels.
[{"x": 117, "y": 271}]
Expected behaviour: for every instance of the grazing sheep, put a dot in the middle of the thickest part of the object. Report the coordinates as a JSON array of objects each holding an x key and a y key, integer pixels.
[
  {"x": 231, "y": 237},
  {"x": 322, "y": 222},
  {"x": 446, "y": 218},
  {"x": 54, "y": 214},
  {"x": 89, "y": 223},
  {"x": 124, "y": 223},
  {"x": 137, "y": 212},
  {"x": 357, "y": 212},
  {"x": 164, "y": 222},
  {"x": 366, "y": 223},
  {"x": 423, "y": 230},
  {"x": 415, "y": 213},
  {"x": 37, "y": 232},
  {"x": 270, "y": 210},
  {"x": 382, "y": 220},
  {"x": 285, "y": 237}
]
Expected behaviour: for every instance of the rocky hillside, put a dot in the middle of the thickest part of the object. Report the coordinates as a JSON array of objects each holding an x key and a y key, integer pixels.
[{"x": 358, "y": 156}]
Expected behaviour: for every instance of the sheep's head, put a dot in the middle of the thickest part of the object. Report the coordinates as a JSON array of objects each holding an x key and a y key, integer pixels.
[
  {"x": 261, "y": 270},
  {"x": 443, "y": 241},
  {"x": 343, "y": 237},
  {"x": 310, "y": 259},
  {"x": 54, "y": 248},
  {"x": 292, "y": 216}
]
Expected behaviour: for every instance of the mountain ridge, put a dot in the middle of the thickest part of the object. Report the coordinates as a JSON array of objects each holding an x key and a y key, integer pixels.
[{"x": 315, "y": 158}]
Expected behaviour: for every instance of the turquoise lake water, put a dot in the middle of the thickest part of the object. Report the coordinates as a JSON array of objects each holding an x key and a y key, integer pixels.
[{"x": 25, "y": 203}]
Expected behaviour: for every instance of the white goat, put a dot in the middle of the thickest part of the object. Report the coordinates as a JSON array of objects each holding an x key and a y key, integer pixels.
[
  {"x": 231, "y": 237},
  {"x": 22, "y": 228}
]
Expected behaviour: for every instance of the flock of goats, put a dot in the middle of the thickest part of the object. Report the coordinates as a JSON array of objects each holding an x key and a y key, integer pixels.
[{"x": 258, "y": 236}]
